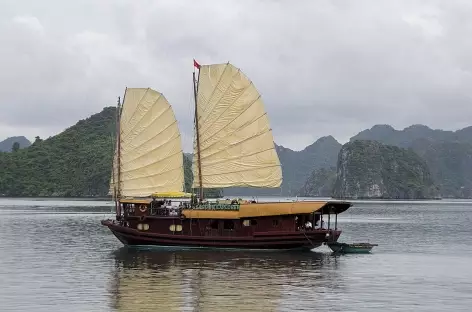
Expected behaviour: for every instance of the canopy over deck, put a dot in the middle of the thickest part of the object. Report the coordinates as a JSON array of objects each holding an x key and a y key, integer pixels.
[
  {"x": 172, "y": 195},
  {"x": 253, "y": 210}
]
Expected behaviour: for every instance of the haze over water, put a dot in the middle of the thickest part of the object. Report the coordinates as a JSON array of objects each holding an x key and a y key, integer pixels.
[{"x": 55, "y": 256}]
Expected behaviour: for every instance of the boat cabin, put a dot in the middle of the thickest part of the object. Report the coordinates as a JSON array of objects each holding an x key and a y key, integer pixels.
[{"x": 178, "y": 216}]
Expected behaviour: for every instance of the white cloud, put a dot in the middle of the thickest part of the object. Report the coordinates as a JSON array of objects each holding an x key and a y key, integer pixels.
[{"x": 323, "y": 67}]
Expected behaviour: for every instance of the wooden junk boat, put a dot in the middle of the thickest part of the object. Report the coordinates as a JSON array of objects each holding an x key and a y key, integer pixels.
[{"x": 233, "y": 147}]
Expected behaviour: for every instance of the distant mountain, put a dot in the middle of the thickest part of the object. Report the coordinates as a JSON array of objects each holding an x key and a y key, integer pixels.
[
  {"x": 448, "y": 154},
  {"x": 369, "y": 169},
  {"x": 386, "y": 134},
  {"x": 296, "y": 167},
  {"x": 7, "y": 144},
  {"x": 450, "y": 164},
  {"x": 320, "y": 183},
  {"x": 77, "y": 162}
]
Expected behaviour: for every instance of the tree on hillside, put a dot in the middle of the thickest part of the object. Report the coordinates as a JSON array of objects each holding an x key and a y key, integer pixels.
[
  {"x": 15, "y": 147},
  {"x": 37, "y": 140}
]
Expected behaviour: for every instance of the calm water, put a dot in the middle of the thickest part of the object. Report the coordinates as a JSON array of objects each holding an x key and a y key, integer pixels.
[{"x": 55, "y": 256}]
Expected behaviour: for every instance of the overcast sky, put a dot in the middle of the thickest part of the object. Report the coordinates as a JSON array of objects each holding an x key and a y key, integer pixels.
[{"x": 322, "y": 67}]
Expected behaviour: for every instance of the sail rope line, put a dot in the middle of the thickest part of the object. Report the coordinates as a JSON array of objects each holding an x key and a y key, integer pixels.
[
  {"x": 245, "y": 125},
  {"x": 240, "y": 143},
  {"x": 137, "y": 104},
  {"x": 243, "y": 170},
  {"x": 212, "y": 93},
  {"x": 172, "y": 139},
  {"x": 228, "y": 107},
  {"x": 161, "y": 96},
  {"x": 309, "y": 240},
  {"x": 169, "y": 108},
  {"x": 232, "y": 159}
]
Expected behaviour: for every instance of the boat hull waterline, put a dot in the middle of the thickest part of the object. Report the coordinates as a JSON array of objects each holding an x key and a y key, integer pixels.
[{"x": 300, "y": 240}]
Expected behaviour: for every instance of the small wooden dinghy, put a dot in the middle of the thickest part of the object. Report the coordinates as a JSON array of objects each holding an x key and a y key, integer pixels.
[{"x": 350, "y": 248}]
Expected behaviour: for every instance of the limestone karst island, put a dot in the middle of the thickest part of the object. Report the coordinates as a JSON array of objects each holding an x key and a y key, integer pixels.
[{"x": 379, "y": 163}]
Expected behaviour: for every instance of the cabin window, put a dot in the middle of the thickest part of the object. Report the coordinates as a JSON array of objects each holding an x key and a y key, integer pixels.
[
  {"x": 253, "y": 222},
  {"x": 275, "y": 222},
  {"x": 214, "y": 225},
  {"x": 228, "y": 225},
  {"x": 175, "y": 228},
  {"x": 143, "y": 227},
  {"x": 246, "y": 222}
]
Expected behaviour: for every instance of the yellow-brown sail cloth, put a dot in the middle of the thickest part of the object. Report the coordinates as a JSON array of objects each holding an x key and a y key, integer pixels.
[
  {"x": 151, "y": 157},
  {"x": 236, "y": 141}
]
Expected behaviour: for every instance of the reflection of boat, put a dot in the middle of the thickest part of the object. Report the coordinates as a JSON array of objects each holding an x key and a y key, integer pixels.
[
  {"x": 203, "y": 280},
  {"x": 131, "y": 258},
  {"x": 350, "y": 248},
  {"x": 234, "y": 147}
]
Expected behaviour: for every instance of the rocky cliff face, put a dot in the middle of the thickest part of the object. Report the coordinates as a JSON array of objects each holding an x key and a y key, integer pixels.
[
  {"x": 448, "y": 154},
  {"x": 368, "y": 169},
  {"x": 297, "y": 166},
  {"x": 319, "y": 183}
]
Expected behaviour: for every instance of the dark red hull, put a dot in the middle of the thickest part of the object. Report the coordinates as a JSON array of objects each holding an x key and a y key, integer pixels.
[{"x": 273, "y": 240}]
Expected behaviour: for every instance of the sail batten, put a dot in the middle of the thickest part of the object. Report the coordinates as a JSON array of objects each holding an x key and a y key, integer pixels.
[
  {"x": 236, "y": 142},
  {"x": 151, "y": 157},
  {"x": 204, "y": 109},
  {"x": 210, "y": 156},
  {"x": 155, "y": 118},
  {"x": 214, "y": 139},
  {"x": 160, "y": 163},
  {"x": 147, "y": 176},
  {"x": 229, "y": 123},
  {"x": 245, "y": 169},
  {"x": 172, "y": 140},
  {"x": 216, "y": 117}
]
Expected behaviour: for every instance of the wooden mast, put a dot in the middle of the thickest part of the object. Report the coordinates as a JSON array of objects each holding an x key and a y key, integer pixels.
[
  {"x": 198, "y": 135},
  {"x": 118, "y": 159}
]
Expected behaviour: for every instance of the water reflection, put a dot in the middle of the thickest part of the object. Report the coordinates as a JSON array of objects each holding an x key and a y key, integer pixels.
[{"x": 147, "y": 280}]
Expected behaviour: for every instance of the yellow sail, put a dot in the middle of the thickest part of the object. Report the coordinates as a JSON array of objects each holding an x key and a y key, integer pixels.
[
  {"x": 236, "y": 141},
  {"x": 151, "y": 157}
]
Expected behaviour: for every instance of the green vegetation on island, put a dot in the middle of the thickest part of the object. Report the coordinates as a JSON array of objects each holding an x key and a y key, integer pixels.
[
  {"x": 448, "y": 154},
  {"x": 369, "y": 169},
  {"x": 77, "y": 163},
  {"x": 74, "y": 163}
]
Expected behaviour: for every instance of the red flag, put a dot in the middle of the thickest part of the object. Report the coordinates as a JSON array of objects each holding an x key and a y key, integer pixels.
[{"x": 196, "y": 64}]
